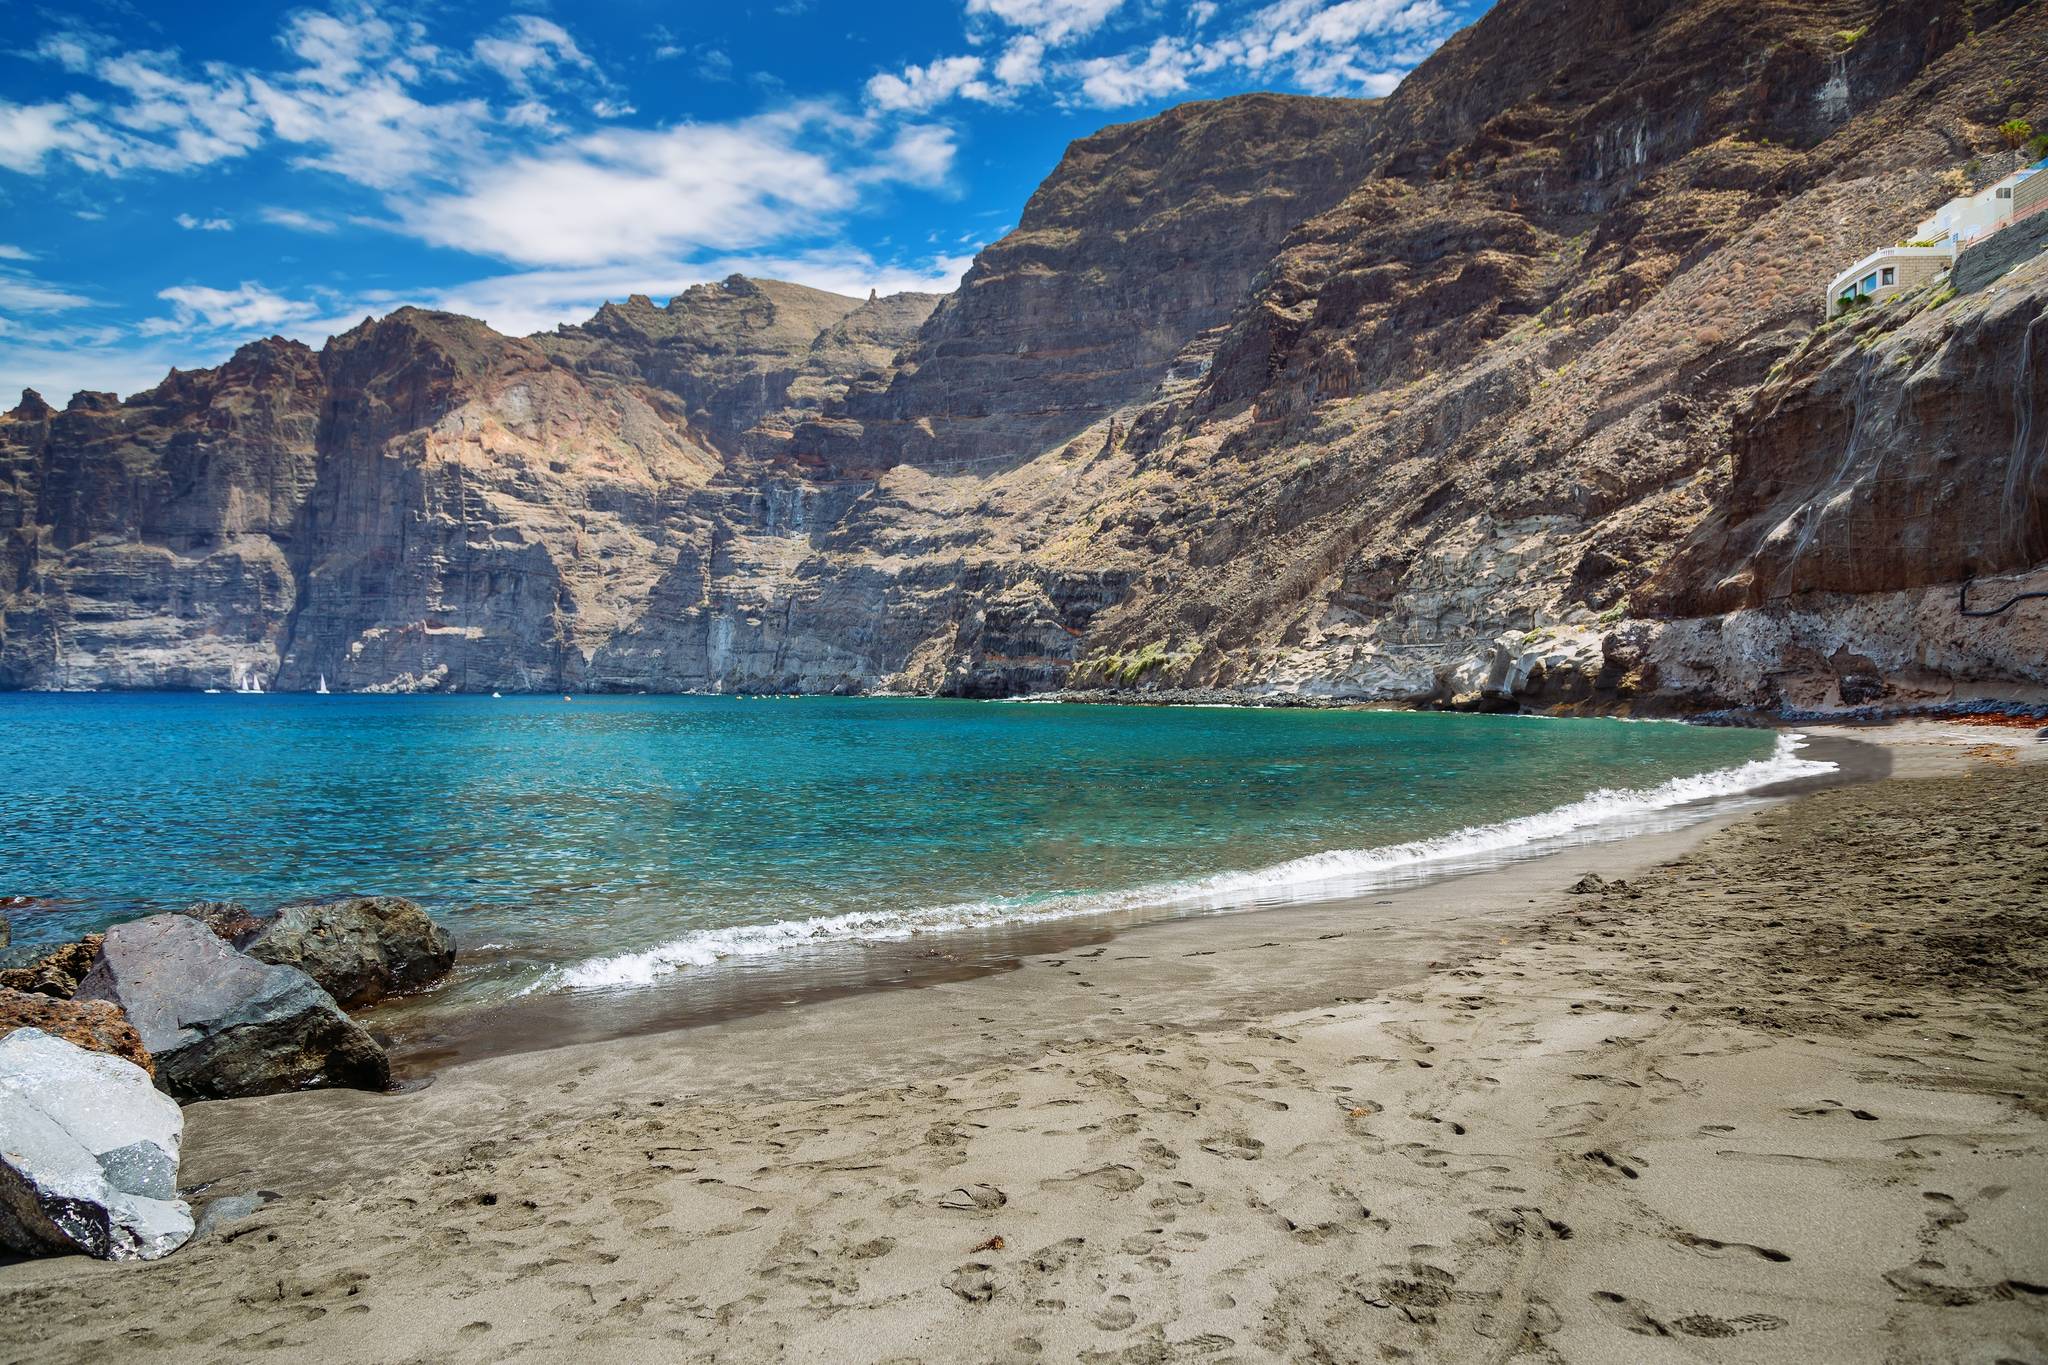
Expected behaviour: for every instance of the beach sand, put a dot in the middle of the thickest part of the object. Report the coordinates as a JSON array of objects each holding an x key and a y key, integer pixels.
[{"x": 1783, "y": 1099}]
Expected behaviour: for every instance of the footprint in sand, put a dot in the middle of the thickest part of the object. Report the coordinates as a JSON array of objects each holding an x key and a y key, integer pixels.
[
  {"x": 1828, "y": 1109},
  {"x": 974, "y": 1282},
  {"x": 1153, "y": 1152},
  {"x": 1713, "y": 1248},
  {"x": 1613, "y": 1163},
  {"x": 973, "y": 1197},
  {"x": 1115, "y": 1179},
  {"x": 1237, "y": 1145},
  {"x": 1634, "y": 1317},
  {"x": 1116, "y": 1315}
]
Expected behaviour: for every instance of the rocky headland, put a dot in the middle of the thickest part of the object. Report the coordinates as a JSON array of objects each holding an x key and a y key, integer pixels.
[{"x": 1509, "y": 389}]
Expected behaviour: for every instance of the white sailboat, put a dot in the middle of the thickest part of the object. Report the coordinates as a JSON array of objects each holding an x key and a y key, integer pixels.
[
  {"x": 248, "y": 684},
  {"x": 322, "y": 690}
]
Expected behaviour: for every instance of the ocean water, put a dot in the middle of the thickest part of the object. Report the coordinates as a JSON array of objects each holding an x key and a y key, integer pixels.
[{"x": 612, "y": 842}]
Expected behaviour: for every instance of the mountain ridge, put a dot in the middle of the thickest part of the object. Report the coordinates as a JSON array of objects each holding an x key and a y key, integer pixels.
[{"x": 1492, "y": 392}]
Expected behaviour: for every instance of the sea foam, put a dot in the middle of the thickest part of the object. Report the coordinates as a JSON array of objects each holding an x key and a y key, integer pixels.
[{"x": 1605, "y": 814}]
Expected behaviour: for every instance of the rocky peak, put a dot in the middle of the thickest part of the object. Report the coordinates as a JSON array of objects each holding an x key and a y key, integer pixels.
[
  {"x": 31, "y": 408},
  {"x": 747, "y": 358},
  {"x": 1144, "y": 236}
]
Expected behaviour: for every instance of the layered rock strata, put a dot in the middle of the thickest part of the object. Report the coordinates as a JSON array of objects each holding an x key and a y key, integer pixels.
[{"x": 1508, "y": 389}]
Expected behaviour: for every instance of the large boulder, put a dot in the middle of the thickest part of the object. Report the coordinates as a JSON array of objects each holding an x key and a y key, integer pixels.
[
  {"x": 94, "y": 1025},
  {"x": 57, "y": 973},
  {"x": 361, "y": 948},
  {"x": 88, "y": 1153},
  {"x": 222, "y": 1024}
]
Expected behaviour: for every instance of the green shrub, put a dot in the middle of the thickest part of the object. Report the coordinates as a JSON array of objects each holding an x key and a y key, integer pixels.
[
  {"x": 1125, "y": 669},
  {"x": 2017, "y": 132}
]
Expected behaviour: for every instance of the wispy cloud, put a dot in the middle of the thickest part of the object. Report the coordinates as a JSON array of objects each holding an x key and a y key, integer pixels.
[
  {"x": 22, "y": 294},
  {"x": 250, "y": 307},
  {"x": 296, "y": 219},
  {"x": 1053, "y": 21}
]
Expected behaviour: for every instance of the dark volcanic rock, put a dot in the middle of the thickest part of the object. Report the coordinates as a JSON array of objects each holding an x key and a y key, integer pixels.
[
  {"x": 360, "y": 948},
  {"x": 222, "y": 1024},
  {"x": 95, "y": 1025}
]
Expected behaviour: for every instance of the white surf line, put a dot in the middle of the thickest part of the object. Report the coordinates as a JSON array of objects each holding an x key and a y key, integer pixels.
[{"x": 1609, "y": 813}]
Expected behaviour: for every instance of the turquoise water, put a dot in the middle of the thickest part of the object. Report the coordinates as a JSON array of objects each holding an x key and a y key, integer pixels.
[{"x": 613, "y": 840}]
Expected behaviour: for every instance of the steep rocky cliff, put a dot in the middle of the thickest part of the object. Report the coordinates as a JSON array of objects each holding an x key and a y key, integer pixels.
[{"x": 1508, "y": 386}]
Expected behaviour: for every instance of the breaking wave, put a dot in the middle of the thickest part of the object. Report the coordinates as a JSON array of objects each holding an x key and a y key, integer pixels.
[{"x": 1600, "y": 815}]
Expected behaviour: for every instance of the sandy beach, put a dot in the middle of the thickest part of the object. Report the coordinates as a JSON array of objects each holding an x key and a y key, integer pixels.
[{"x": 1781, "y": 1097}]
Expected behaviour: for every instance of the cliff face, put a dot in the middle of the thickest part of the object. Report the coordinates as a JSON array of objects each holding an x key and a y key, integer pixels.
[{"x": 1507, "y": 386}]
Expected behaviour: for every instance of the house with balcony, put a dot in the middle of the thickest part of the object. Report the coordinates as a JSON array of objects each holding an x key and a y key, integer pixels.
[
  {"x": 1963, "y": 220},
  {"x": 1953, "y": 228},
  {"x": 1887, "y": 272}
]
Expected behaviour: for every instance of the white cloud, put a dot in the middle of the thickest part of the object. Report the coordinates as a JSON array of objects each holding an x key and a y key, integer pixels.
[
  {"x": 191, "y": 224},
  {"x": 921, "y": 87},
  {"x": 248, "y": 308},
  {"x": 1054, "y": 21},
  {"x": 30, "y": 132},
  {"x": 375, "y": 133},
  {"x": 624, "y": 194},
  {"x": 295, "y": 219},
  {"x": 1324, "y": 47},
  {"x": 920, "y": 154},
  {"x": 14, "y": 253},
  {"x": 70, "y": 50},
  {"x": 530, "y": 49},
  {"x": 20, "y": 294},
  {"x": 1022, "y": 63},
  {"x": 1132, "y": 77}
]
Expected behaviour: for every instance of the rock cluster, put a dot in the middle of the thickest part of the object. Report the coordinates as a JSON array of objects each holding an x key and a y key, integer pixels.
[
  {"x": 221, "y": 1024},
  {"x": 360, "y": 949},
  {"x": 170, "y": 1007}
]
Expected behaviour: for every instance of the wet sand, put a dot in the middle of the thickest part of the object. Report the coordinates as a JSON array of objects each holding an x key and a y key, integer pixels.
[{"x": 1786, "y": 1098}]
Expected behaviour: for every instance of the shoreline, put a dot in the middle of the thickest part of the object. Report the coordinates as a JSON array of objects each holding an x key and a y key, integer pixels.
[
  {"x": 425, "y": 1040},
  {"x": 1730, "y": 1107}
]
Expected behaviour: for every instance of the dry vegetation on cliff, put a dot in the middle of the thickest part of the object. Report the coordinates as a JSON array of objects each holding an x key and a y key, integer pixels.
[{"x": 1507, "y": 384}]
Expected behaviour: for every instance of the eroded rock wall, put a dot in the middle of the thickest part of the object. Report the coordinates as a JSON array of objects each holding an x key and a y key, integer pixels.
[{"x": 1506, "y": 389}]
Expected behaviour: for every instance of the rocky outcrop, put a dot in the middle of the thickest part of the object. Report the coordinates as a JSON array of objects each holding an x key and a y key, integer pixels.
[
  {"x": 221, "y": 1024},
  {"x": 1281, "y": 396},
  {"x": 56, "y": 974},
  {"x": 1902, "y": 447},
  {"x": 359, "y": 949},
  {"x": 1144, "y": 236},
  {"x": 88, "y": 1154},
  {"x": 748, "y": 359},
  {"x": 94, "y": 1025}
]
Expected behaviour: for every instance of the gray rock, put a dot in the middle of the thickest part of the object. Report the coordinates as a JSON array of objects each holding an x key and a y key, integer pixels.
[
  {"x": 88, "y": 1153},
  {"x": 359, "y": 948},
  {"x": 221, "y": 1024},
  {"x": 231, "y": 1208}
]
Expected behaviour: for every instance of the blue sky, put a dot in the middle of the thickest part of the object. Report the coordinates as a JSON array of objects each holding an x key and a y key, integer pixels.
[{"x": 177, "y": 179}]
